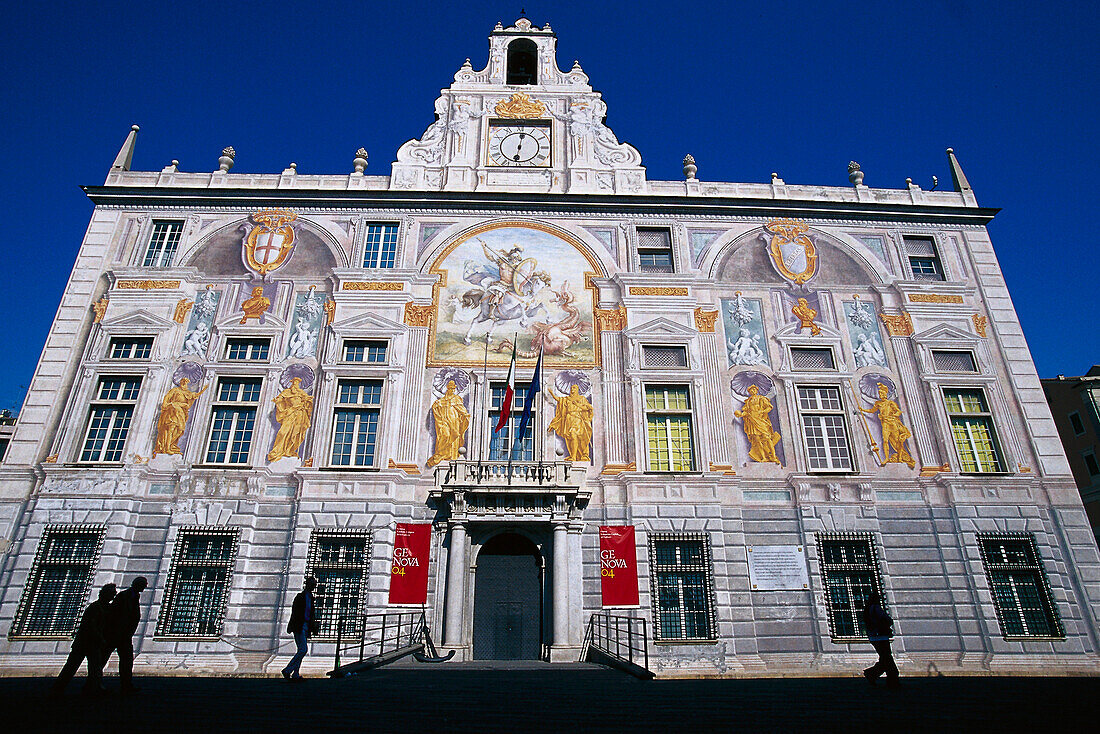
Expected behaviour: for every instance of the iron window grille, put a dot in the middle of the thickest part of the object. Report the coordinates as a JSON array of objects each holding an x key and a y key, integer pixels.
[
  {"x": 254, "y": 350},
  {"x": 953, "y": 361},
  {"x": 130, "y": 347},
  {"x": 655, "y": 250},
  {"x": 109, "y": 419},
  {"x": 812, "y": 359},
  {"x": 59, "y": 581},
  {"x": 162, "y": 244},
  {"x": 355, "y": 422},
  {"x": 380, "y": 246},
  {"x": 340, "y": 561},
  {"x": 668, "y": 428},
  {"x": 197, "y": 593},
  {"x": 500, "y": 442},
  {"x": 849, "y": 572},
  {"x": 1020, "y": 589},
  {"x": 924, "y": 260},
  {"x": 234, "y": 419},
  {"x": 683, "y": 598},
  {"x": 664, "y": 357},
  {"x": 370, "y": 352},
  {"x": 972, "y": 430},
  {"x": 824, "y": 431}
]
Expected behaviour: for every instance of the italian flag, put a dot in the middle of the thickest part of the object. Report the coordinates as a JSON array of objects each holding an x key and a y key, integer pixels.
[{"x": 509, "y": 394}]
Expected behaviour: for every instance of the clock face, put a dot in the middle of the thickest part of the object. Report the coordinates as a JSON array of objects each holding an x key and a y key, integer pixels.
[{"x": 523, "y": 145}]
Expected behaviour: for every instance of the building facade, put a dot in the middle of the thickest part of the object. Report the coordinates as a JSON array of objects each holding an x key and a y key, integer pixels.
[
  {"x": 1075, "y": 405},
  {"x": 791, "y": 394}
]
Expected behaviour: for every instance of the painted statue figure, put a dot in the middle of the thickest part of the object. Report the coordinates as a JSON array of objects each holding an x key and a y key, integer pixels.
[
  {"x": 197, "y": 340},
  {"x": 554, "y": 339},
  {"x": 746, "y": 350},
  {"x": 303, "y": 341},
  {"x": 173, "y": 417},
  {"x": 806, "y": 316},
  {"x": 256, "y": 305},
  {"x": 756, "y": 420},
  {"x": 451, "y": 421},
  {"x": 894, "y": 433},
  {"x": 867, "y": 352},
  {"x": 573, "y": 422},
  {"x": 293, "y": 407}
]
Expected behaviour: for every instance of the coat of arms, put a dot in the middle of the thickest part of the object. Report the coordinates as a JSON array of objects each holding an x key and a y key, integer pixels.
[
  {"x": 270, "y": 242},
  {"x": 793, "y": 254}
]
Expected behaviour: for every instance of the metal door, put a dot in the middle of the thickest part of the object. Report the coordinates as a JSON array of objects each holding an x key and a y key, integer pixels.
[{"x": 507, "y": 600}]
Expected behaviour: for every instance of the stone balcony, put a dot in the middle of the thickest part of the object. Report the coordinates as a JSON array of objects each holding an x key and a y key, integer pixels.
[{"x": 501, "y": 490}]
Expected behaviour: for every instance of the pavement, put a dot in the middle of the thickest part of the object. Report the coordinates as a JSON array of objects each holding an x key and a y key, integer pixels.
[{"x": 536, "y": 697}]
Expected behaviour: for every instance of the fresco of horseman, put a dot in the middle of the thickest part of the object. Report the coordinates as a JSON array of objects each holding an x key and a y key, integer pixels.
[{"x": 506, "y": 290}]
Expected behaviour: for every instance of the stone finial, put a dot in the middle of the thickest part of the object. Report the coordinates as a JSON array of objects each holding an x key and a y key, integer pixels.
[
  {"x": 958, "y": 178},
  {"x": 126, "y": 152},
  {"x": 690, "y": 169},
  {"x": 225, "y": 162},
  {"x": 290, "y": 170},
  {"x": 854, "y": 174},
  {"x": 360, "y": 160}
]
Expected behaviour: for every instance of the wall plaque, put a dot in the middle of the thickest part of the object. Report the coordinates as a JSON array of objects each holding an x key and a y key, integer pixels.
[{"x": 777, "y": 567}]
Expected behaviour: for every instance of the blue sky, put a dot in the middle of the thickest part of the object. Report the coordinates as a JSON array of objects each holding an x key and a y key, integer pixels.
[{"x": 799, "y": 88}]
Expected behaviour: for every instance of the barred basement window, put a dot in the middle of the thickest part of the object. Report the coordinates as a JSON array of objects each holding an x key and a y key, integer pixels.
[
  {"x": 972, "y": 430},
  {"x": 109, "y": 419},
  {"x": 197, "y": 593},
  {"x": 1021, "y": 592},
  {"x": 849, "y": 570},
  {"x": 812, "y": 359},
  {"x": 924, "y": 261},
  {"x": 684, "y": 587},
  {"x": 371, "y": 352},
  {"x": 60, "y": 579},
  {"x": 953, "y": 361},
  {"x": 355, "y": 422},
  {"x": 162, "y": 244},
  {"x": 256, "y": 350},
  {"x": 130, "y": 347},
  {"x": 380, "y": 246},
  {"x": 655, "y": 250},
  {"x": 824, "y": 431},
  {"x": 339, "y": 560},
  {"x": 674, "y": 357}
]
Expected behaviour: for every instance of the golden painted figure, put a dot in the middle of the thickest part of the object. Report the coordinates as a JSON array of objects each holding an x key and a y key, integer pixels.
[
  {"x": 293, "y": 407},
  {"x": 256, "y": 306},
  {"x": 894, "y": 434},
  {"x": 173, "y": 417},
  {"x": 806, "y": 316},
  {"x": 756, "y": 420},
  {"x": 451, "y": 421},
  {"x": 573, "y": 422}
]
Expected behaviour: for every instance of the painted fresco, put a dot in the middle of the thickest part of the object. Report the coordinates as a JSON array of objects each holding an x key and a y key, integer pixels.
[
  {"x": 197, "y": 339},
  {"x": 520, "y": 281},
  {"x": 305, "y": 325},
  {"x": 743, "y": 321},
  {"x": 765, "y": 388},
  {"x": 867, "y": 345}
]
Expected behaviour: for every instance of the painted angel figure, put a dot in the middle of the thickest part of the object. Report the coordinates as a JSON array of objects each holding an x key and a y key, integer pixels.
[
  {"x": 746, "y": 350},
  {"x": 304, "y": 341},
  {"x": 197, "y": 340},
  {"x": 867, "y": 352}
]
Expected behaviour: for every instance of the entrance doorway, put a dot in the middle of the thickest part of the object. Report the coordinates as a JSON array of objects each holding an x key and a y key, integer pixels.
[{"x": 508, "y": 599}]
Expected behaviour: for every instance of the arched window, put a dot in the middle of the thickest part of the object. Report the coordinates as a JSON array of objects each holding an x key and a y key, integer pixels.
[{"x": 523, "y": 62}]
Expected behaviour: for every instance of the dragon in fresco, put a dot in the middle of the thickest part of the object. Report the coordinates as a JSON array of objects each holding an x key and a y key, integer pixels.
[{"x": 554, "y": 339}]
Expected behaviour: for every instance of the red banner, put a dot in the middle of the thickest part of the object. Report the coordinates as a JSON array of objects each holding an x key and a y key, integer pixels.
[
  {"x": 409, "y": 569},
  {"x": 618, "y": 566}
]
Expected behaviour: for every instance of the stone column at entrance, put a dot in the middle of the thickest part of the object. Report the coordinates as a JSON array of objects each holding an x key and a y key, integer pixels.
[
  {"x": 561, "y": 587},
  {"x": 456, "y": 586}
]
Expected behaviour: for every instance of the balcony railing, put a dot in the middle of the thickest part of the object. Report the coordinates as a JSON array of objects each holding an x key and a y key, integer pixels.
[{"x": 515, "y": 474}]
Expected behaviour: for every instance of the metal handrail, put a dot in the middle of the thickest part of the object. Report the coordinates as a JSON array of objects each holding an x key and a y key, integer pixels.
[
  {"x": 378, "y": 635},
  {"x": 623, "y": 638}
]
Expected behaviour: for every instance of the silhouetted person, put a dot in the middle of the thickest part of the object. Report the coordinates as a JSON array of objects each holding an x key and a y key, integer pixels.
[
  {"x": 89, "y": 642},
  {"x": 879, "y": 626},
  {"x": 303, "y": 623},
  {"x": 122, "y": 622}
]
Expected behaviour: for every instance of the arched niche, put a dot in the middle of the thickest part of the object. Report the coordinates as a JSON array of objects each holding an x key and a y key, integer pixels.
[
  {"x": 221, "y": 252},
  {"x": 523, "y": 62},
  {"x": 841, "y": 261}
]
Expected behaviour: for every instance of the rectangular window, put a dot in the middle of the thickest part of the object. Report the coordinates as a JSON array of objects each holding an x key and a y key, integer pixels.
[
  {"x": 355, "y": 422},
  {"x": 1021, "y": 593},
  {"x": 668, "y": 428},
  {"x": 339, "y": 560},
  {"x": 162, "y": 244},
  {"x": 953, "y": 361},
  {"x": 1078, "y": 425},
  {"x": 655, "y": 249},
  {"x": 130, "y": 347},
  {"x": 198, "y": 583},
  {"x": 5, "y": 441},
  {"x": 849, "y": 571},
  {"x": 60, "y": 579},
  {"x": 370, "y": 352},
  {"x": 1088, "y": 455},
  {"x": 109, "y": 419},
  {"x": 682, "y": 607},
  {"x": 823, "y": 429},
  {"x": 972, "y": 429},
  {"x": 234, "y": 419},
  {"x": 380, "y": 246},
  {"x": 256, "y": 350},
  {"x": 923, "y": 258},
  {"x": 664, "y": 357},
  {"x": 500, "y": 443},
  {"x": 812, "y": 359}
]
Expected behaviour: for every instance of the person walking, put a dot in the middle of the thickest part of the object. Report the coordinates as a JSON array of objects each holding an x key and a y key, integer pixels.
[
  {"x": 90, "y": 642},
  {"x": 879, "y": 626},
  {"x": 124, "y": 615},
  {"x": 303, "y": 623}
]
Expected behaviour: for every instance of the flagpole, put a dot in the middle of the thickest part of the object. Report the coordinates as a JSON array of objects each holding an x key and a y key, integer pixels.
[
  {"x": 541, "y": 441},
  {"x": 484, "y": 405},
  {"x": 512, "y": 442}
]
